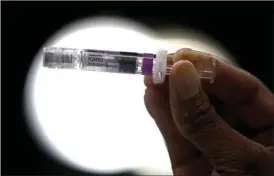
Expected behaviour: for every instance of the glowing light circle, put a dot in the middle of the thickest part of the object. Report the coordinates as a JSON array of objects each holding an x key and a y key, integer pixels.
[{"x": 98, "y": 121}]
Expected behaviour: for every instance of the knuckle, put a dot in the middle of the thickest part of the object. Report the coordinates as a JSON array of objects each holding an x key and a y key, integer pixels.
[
  {"x": 248, "y": 160},
  {"x": 200, "y": 117},
  {"x": 257, "y": 161}
]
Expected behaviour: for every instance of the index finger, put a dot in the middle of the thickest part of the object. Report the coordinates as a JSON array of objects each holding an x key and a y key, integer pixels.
[{"x": 244, "y": 93}]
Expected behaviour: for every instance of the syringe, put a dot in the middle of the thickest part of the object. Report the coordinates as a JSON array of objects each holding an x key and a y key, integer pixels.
[{"x": 155, "y": 65}]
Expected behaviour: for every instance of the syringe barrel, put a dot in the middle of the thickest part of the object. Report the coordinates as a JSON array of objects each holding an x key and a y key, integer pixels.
[
  {"x": 99, "y": 60},
  {"x": 155, "y": 65},
  {"x": 108, "y": 61},
  {"x": 205, "y": 67}
]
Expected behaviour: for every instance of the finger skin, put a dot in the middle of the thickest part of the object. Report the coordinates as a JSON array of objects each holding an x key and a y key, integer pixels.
[
  {"x": 239, "y": 90},
  {"x": 237, "y": 96},
  {"x": 185, "y": 158},
  {"x": 230, "y": 152},
  {"x": 247, "y": 103}
]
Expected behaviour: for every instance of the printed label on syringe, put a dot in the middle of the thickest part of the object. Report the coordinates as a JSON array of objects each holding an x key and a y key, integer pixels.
[
  {"x": 109, "y": 63},
  {"x": 102, "y": 63}
]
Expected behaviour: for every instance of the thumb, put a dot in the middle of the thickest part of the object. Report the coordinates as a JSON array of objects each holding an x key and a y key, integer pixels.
[{"x": 196, "y": 119}]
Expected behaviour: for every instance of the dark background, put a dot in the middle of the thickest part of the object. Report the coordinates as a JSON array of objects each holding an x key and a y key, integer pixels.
[{"x": 244, "y": 28}]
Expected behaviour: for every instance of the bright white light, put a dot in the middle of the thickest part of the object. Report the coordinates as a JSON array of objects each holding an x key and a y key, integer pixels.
[{"x": 98, "y": 121}]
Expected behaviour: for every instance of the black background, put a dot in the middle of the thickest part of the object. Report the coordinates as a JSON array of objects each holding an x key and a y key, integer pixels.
[{"x": 244, "y": 28}]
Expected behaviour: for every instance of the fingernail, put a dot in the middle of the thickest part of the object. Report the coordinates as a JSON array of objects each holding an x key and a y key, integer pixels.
[{"x": 185, "y": 79}]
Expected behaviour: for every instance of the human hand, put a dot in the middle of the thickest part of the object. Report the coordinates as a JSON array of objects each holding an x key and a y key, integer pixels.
[{"x": 231, "y": 132}]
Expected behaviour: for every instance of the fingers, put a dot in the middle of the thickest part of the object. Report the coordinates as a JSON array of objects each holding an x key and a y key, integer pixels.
[
  {"x": 198, "y": 122},
  {"x": 149, "y": 84},
  {"x": 229, "y": 80},
  {"x": 239, "y": 90},
  {"x": 184, "y": 157},
  {"x": 266, "y": 137}
]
